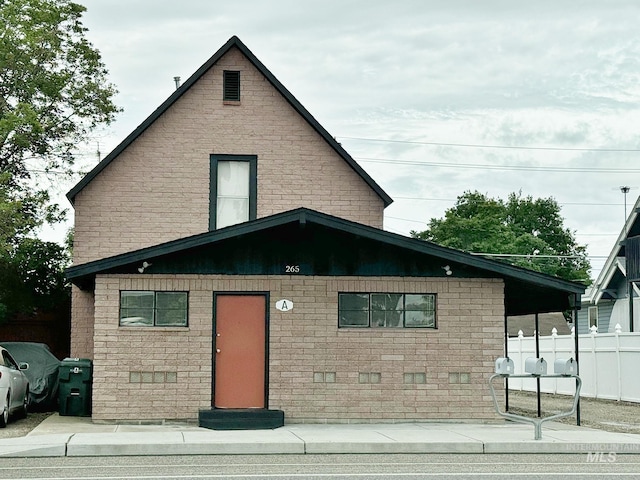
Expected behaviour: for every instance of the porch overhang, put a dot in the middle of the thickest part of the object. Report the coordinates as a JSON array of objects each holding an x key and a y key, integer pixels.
[{"x": 322, "y": 245}]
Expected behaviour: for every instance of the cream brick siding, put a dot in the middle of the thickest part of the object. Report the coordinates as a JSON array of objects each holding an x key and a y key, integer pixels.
[
  {"x": 158, "y": 373},
  {"x": 82, "y": 324},
  {"x": 157, "y": 190}
]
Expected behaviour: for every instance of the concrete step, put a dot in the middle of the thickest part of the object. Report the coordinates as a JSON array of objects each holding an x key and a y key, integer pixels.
[{"x": 240, "y": 419}]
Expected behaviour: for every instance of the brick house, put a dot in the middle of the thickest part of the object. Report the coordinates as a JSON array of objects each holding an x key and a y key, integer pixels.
[{"x": 229, "y": 257}]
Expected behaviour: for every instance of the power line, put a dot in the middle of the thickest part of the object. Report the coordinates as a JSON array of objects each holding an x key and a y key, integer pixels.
[
  {"x": 597, "y": 234},
  {"x": 477, "y": 145},
  {"x": 581, "y": 204},
  {"x": 405, "y": 219},
  {"x": 596, "y": 258},
  {"x": 498, "y": 167},
  {"x": 518, "y": 255},
  {"x": 577, "y": 233}
]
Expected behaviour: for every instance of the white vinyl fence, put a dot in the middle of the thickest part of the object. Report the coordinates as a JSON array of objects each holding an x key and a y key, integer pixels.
[{"x": 608, "y": 363}]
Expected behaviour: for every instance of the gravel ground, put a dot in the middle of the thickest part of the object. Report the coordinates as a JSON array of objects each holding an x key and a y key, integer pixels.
[
  {"x": 609, "y": 415},
  {"x": 606, "y": 415},
  {"x": 20, "y": 427}
]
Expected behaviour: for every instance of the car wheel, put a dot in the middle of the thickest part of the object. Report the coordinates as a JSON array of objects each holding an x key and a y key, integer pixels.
[
  {"x": 25, "y": 404},
  {"x": 4, "y": 417}
]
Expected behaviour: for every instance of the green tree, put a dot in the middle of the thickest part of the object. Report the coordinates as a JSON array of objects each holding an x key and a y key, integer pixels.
[
  {"x": 530, "y": 229},
  {"x": 22, "y": 211},
  {"x": 33, "y": 278},
  {"x": 53, "y": 87},
  {"x": 31, "y": 271},
  {"x": 53, "y": 94}
]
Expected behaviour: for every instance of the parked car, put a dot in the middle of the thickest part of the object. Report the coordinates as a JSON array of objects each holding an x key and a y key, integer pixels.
[
  {"x": 14, "y": 387},
  {"x": 42, "y": 373}
]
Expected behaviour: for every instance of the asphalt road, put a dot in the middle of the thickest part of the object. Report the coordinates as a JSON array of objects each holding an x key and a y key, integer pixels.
[{"x": 326, "y": 467}]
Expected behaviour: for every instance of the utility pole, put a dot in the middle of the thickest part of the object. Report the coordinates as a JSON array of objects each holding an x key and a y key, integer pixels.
[{"x": 625, "y": 189}]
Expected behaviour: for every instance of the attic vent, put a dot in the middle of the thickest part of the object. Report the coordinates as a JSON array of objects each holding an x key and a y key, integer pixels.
[{"x": 231, "y": 85}]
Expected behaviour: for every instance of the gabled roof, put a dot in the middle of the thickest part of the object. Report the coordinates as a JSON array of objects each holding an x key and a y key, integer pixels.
[
  {"x": 328, "y": 245},
  {"x": 616, "y": 260},
  {"x": 233, "y": 42}
]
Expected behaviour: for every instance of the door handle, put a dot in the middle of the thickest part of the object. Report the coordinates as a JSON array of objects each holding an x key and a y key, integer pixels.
[{"x": 217, "y": 350}]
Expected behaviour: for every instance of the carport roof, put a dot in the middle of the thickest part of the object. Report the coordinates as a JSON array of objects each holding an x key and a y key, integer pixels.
[{"x": 321, "y": 244}]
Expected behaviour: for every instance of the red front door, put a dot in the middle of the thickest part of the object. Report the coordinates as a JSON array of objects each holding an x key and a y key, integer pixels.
[{"x": 240, "y": 345}]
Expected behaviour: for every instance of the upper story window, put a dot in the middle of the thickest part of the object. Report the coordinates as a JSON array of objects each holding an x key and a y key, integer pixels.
[
  {"x": 233, "y": 190},
  {"x": 231, "y": 86}
]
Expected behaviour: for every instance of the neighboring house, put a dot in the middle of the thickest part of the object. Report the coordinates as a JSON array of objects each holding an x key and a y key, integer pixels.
[
  {"x": 229, "y": 256},
  {"x": 606, "y": 303}
]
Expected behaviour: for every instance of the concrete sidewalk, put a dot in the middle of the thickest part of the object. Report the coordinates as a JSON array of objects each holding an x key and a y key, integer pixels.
[{"x": 77, "y": 436}]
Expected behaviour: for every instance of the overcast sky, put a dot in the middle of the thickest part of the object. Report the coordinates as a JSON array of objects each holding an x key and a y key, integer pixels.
[{"x": 421, "y": 92}]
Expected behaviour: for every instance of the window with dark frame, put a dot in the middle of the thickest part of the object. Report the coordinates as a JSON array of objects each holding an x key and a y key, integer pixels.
[
  {"x": 141, "y": 308},
  {"x": 231, "y": 86},
  {"x": 233, "y": 190},
  {"x": 386, "y": 310}
]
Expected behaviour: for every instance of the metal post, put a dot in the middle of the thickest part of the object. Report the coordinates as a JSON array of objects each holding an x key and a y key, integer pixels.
[
  {"x": 577, "y": 349},
  {"x": 506, "y": 354},
  {"x": 625, "y": 189},
  {"x": 630, "y": 290},
  {"x": 536, "y": 422},
  {"x": 537, "y": 335}
]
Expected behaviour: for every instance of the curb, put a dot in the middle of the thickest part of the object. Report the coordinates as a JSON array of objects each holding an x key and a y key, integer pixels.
[{"x": 299, "y": 439}]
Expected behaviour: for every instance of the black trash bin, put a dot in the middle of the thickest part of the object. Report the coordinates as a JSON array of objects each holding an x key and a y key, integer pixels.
[{"x": 75, "y": 379}]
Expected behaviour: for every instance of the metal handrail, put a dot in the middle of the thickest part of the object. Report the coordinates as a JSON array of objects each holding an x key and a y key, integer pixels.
[{"x": 537, "y": 422}]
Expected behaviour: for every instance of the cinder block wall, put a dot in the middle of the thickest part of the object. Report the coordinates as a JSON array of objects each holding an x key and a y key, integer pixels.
[
  {"x": 318, "y": 373},
  {"x": 82, "y": 309}
]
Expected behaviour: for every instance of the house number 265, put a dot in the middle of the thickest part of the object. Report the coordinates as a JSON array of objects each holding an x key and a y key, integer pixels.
[{"x": 292, "y": 268}]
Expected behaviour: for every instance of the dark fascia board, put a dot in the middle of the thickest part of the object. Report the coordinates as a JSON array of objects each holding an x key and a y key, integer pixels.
[
  {"x": 449, "y": 254},
  {"x": 91, "y": 268},
  {"x": 232, "y": 42},
  {"x": 304, "y": 215}
]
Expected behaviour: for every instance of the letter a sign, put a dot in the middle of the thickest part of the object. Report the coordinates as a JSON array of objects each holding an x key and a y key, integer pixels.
[{"x": 284, "y": 305}]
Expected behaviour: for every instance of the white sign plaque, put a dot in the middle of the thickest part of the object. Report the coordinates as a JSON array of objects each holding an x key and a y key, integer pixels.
[{"x": 284, "y": 305}]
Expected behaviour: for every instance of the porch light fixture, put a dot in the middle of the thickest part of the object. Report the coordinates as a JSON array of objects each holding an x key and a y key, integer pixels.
[
  {"x": 144, "y": 266},
  {"x": 447, "y": 270}
]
